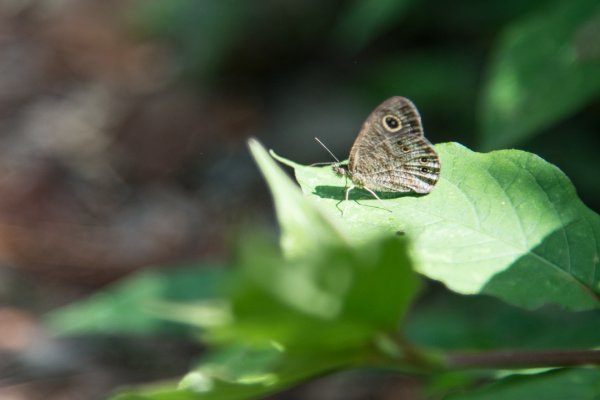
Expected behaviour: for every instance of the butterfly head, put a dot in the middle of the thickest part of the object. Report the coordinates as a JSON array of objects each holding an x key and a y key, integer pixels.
[{"x": 341, "y": 169}]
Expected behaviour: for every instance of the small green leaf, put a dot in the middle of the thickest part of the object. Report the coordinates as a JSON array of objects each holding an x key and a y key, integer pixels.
[
  {"x": 133, "y": 305},
  {"x": 155, "y": 392},
  {"x": 506, "y": 223},
  {"x": 305, "y": 227},
  {"x": 545, "y": 68},
  {"x": 577, "y": 383},
  {"x": 242, "y": 374}
]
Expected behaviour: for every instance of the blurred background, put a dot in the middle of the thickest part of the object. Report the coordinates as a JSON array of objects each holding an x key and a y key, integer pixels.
[{"x": 123, "y": 128}]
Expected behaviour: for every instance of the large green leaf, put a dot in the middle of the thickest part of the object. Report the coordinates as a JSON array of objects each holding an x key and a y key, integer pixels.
[
  {"x": 579, "y": 383},
  {"x": 546, "y": 67},
  {"x": 506, "y": 223}
]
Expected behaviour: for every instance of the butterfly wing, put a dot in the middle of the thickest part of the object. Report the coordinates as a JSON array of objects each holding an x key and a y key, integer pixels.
[{"x": 391, "y": 154}]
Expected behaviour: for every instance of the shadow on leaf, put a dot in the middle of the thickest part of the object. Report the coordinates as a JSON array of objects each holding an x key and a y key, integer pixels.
[
  {"x": 339, "y": 193},
  {"x": 554, "y": 271}
]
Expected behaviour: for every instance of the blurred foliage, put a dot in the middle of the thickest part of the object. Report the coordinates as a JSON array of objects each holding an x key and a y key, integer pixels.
[
  {"x": 338, "y": 306},
  {"x": 214, "y": 39},
  {"x": 363, "y": 21},
  {"x": 204, "y": 32},
  {"x": 291, "y": 321},
  {"x": 138, "y": 305},
  {"x": 340, "y": 293},
  {"x": 545, "y": 67},
  {"x": 579, "y": 383},
  {"x": 451, "y": 322},
  {"x": 424, "y": 79},
  {"x": 492, "y": 75}
]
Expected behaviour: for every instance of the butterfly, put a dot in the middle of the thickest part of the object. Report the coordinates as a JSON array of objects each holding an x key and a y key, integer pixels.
[{"x": 390, "y": 153}]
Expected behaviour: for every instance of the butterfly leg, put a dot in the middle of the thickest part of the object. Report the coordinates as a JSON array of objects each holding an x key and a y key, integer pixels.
[
  {"x": 377, "y": 197},
  {"x": 347, "y": 197},
  {"x": 373, "y": 193},
  {"x": 348, "y": 192}
]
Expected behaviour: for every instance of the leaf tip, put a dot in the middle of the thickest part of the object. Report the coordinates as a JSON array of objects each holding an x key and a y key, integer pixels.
[
  {"x": 254, "y": 145},
  {"x": 283, "y": 160}
]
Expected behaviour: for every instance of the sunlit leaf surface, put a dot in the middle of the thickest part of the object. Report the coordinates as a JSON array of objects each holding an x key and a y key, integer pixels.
[{"x": 505, "y": 223}]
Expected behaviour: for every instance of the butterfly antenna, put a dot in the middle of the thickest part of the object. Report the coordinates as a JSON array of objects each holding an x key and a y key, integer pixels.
[{"x": 329, "y": 151}]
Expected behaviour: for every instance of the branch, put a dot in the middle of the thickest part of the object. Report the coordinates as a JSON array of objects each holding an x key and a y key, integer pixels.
[{"x": 523, "y": 359}]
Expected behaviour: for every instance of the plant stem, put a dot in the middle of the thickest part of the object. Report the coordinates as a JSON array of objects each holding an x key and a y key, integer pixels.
[
  {"x": 523, "y": 359},
  {"x": 397, "y": 352}
]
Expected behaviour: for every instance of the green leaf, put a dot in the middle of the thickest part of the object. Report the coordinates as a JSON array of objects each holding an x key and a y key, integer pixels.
[
  {"x": 506, "y": 223},
  {"x": 305, "y": 227},
  {"x": 155, "y": 392},
  {"x": 240, "y": 374},
  {"x": 339, "y": 298},
  {"x": 579, "y": 383},
  {"x": 365, "y": 290},
  {"x": 546, "y": 67},
  {"x": 137, "y": 304},
  {"x": 299, "y": 318}
]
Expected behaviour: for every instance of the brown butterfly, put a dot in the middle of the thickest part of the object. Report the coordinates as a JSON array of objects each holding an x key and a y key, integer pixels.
[{"x": 390, "y": 153}]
